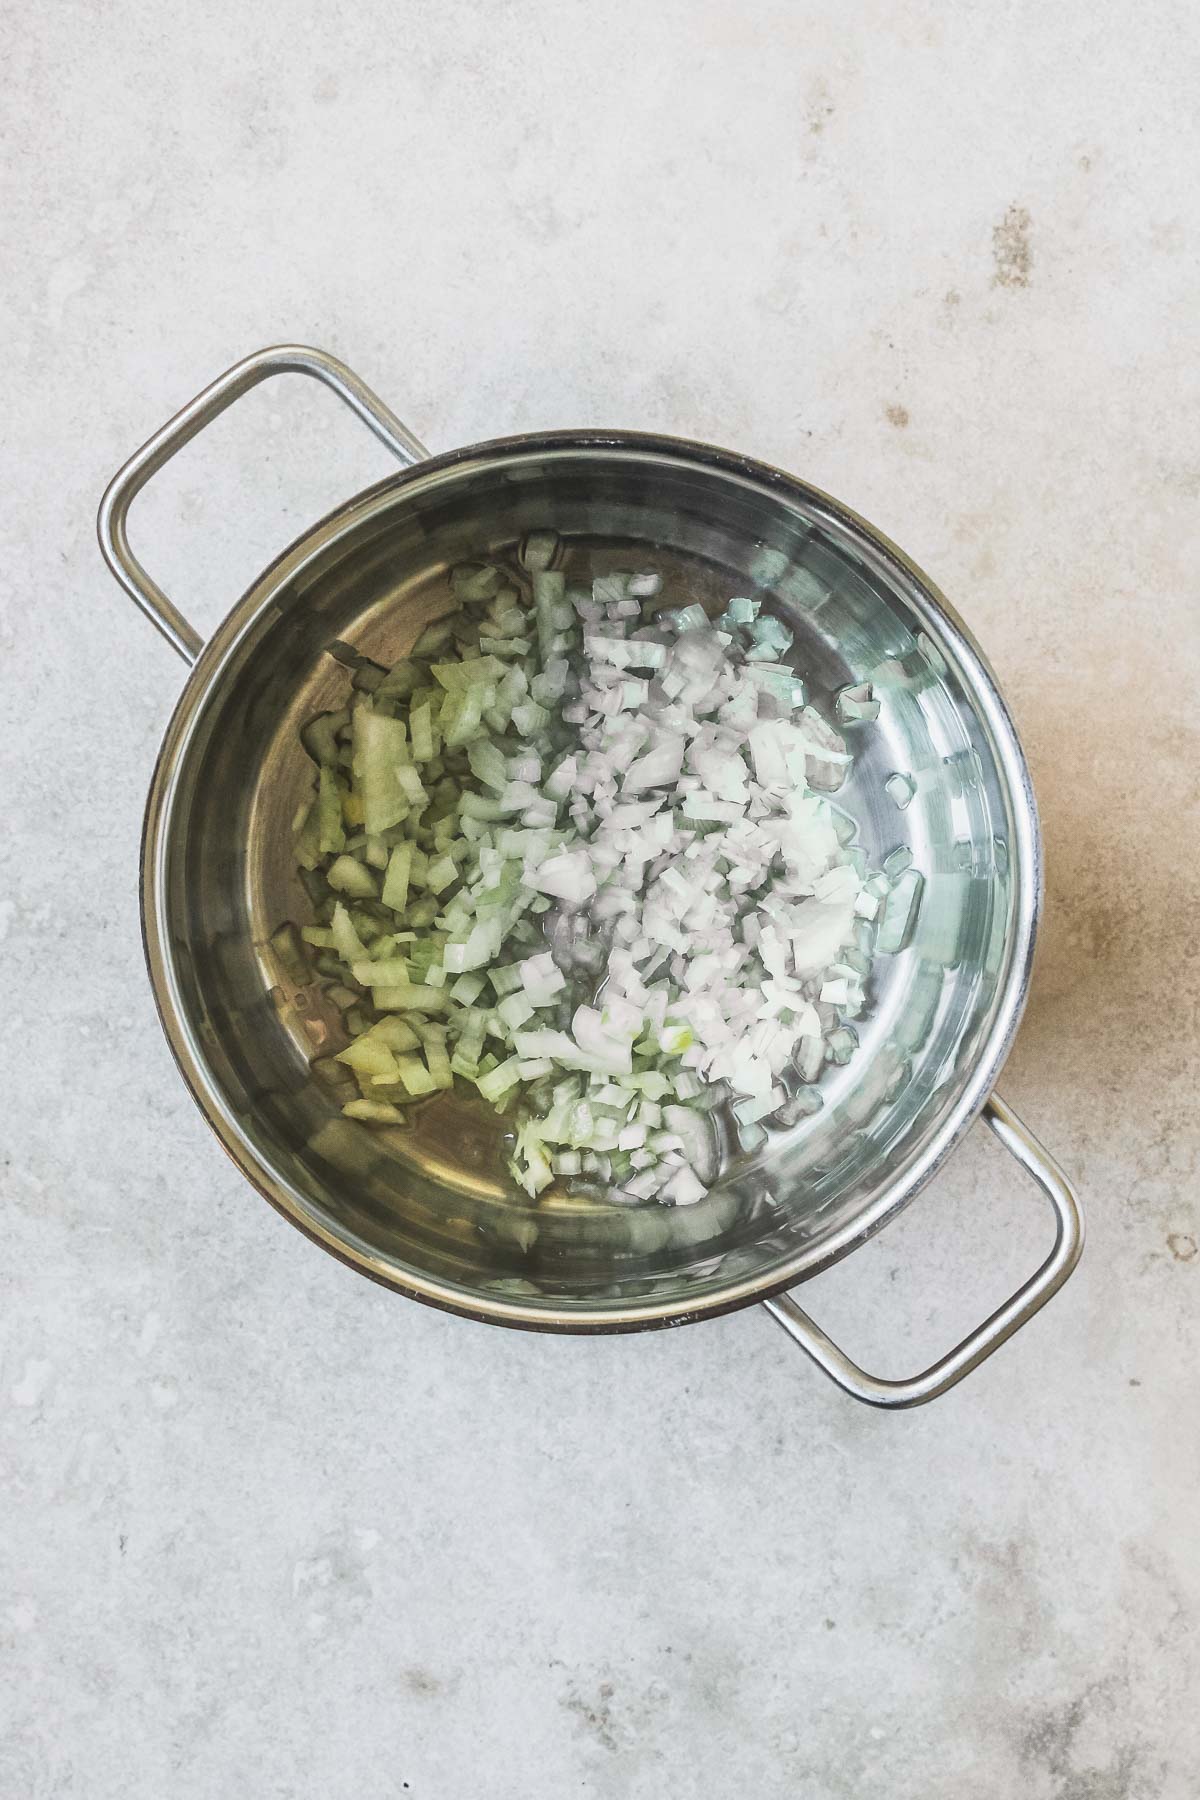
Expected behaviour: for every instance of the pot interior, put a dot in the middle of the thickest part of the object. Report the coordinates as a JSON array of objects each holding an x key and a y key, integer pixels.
[{"x": 431, "y": 1209}]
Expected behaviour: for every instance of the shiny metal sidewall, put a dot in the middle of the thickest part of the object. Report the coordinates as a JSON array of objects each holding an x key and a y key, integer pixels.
[{"x": 163, "y": 945}]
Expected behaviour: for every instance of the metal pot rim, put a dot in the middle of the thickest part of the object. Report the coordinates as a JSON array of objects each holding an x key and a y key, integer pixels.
[{"x": 287, "y": 1198}]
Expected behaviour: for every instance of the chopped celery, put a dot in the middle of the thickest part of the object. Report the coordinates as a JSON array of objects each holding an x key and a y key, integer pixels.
[
  {"x": 498, "y": 1080},
  {"x": 370, "y": 1056},
  {"x": 333, "y": 969},
  {"x": 331, "y": 833},
  {"x": 307, "y": 842},
  {"x": 476, "y": 806},
  {"x": 549, "y": 588},
  {"x": 395, "y": 882},
  {"x": 349, "y": 877},
  {"x": 415, "y": 1076},
  {"x": 415, "y": 997},
  {"x": 412, "y": 787},
  {"x": 342, "y": 997},
  {"x": 373, "y": 1112},
  {"x": 401, "y": 680},
  {"x": 538, "y": 549},
  {"x": 474, "y": 582},
  {"x": 319, "y": 736},
  {"x": 462, "y": 714},
  {"x": 442, "y": 874},
  {"x": 344, "y": 937},
  {"x": 530, "y": 718},
  {"x": 395, "y": 1034},
  {"x": 433, "y": 1041},
  {"x": 380, "y": 754},
  {"x": 435, "y": 637},
  {"x": 288, "y": 946},
  {"x": 387, "y": 971},
  {"x": 488, "y": 764},
  {"x": 515, "y": 1010},
  {"x": 481, "y": 671},
  {"x": 420, "y": 725},
  {"x": 467, "y": 989}
]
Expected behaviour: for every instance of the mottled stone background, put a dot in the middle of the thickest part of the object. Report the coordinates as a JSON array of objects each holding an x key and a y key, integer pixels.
[{"x": 270, "y": 1532}]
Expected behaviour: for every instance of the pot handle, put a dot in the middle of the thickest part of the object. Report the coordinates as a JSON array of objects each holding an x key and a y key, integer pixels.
[
  {"x": 282, "y": 359},
  {"x": 1028, "y": 1299}
]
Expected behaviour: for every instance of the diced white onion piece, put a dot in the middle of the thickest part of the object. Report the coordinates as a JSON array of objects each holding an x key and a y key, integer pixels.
[
  {"x": 567, "y": 876},
  {"x": 685, "y": 1188}
]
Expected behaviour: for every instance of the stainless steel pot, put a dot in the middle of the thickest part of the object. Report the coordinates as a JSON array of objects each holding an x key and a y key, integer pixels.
[{"x": 429, "y": 1212}]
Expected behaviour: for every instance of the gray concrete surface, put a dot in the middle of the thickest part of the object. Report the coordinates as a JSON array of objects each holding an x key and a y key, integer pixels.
[{"x": 268, "y": 1531}]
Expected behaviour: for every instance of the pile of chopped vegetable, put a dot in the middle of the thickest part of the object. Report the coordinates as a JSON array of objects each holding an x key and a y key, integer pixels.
[{"x": 577, "y": 853}]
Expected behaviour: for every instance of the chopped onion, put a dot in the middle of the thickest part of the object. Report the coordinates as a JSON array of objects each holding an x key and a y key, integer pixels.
[{"x": 589, "y": 866}]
